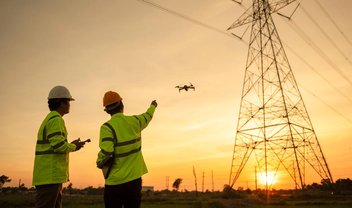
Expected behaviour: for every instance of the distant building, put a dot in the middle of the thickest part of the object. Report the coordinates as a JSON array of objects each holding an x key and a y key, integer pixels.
[{"x": 147, "y": 188}]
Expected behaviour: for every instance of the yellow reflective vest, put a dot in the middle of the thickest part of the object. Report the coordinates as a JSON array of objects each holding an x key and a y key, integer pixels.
[
  {"x": 128, "y": 164},
  {"x": 52, "y": 152}
]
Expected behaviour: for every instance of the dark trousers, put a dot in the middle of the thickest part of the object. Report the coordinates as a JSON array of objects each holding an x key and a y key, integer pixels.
[
  {"x": 126, "y": 195},
  {"x": 48, "y": 196}
]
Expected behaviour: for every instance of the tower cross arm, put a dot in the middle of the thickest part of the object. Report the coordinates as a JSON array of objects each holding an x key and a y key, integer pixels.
[
  {"x": 245, "y": 18},
  {"x": 249, "y": 16},
  {"x": 276, "y": 6}
]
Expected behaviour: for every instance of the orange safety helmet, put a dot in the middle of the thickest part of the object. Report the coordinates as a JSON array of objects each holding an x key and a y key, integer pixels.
[{"x": 111, "y": 97}]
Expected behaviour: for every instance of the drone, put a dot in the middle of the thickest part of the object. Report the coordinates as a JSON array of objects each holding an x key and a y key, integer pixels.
[{"x": 185, "y": 87}]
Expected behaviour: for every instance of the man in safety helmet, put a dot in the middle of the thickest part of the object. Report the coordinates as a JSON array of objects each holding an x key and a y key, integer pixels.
[
  {"x": 120, "y": 141},
  {"x": 52, "y": 151}
]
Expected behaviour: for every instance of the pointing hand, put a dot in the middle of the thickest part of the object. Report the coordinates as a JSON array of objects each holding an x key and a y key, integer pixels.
[{"x": 154, "y": 103}]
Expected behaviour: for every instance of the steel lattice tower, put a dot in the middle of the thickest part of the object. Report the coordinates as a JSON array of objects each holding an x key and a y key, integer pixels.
[{"x": 273, "y": 124}]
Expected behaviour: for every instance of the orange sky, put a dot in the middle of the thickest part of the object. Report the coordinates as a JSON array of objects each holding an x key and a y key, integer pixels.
[{"x": 143, "y": 53}]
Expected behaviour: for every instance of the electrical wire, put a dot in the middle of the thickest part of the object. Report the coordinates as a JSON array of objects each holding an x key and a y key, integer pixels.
[
  {"x": 177, "y": 14},
  {"x": 238, "y": 2},
  {"x": 329, "y": 106},
  {"x": 157, "y": 6},
  {"x": 325, "y": 34},
  {"x": 315, "y": 47},
  {"x": 333, "y": 22},
  {"x": 317, "y": 72}
]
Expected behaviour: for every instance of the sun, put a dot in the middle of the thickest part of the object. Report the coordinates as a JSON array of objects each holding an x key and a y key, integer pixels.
[{"x": 270, "y": 178}]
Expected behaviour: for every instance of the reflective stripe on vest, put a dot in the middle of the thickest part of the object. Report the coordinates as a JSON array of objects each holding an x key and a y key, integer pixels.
[
  {"x": 116, "y": 143},
  {"x": 128, "y": 153},
  {"x": 45, "y": 140},
  {"x": 46, "y": 152}
]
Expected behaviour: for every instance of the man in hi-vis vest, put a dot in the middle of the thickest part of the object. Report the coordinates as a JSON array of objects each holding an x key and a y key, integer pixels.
[
  {"x": 120, "y": 147},
  {"x": 52, "y": 151}
]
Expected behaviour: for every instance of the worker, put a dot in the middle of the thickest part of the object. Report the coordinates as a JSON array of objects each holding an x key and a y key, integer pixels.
[
  {"x": 52, "y": 151},
  {"x": 120, "y": 141}
]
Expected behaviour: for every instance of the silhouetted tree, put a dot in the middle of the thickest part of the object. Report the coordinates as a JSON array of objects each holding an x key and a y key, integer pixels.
[
  {"x": 313, "y": 186},
  {"x": 69, "y": 188},
  {"x": 3, "y": 180},
  {"x": 177, "y": 183},
  {"x": 229, "y": 192},
  {"x": 22, "y": 187},
  {"x": 227, "y": 188},
  {"x": 326, "y": 184},
  {"x": 343, "y": 184}
]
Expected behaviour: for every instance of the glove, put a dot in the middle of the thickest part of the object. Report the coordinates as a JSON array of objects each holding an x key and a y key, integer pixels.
[{"x": 154, "y": 103}]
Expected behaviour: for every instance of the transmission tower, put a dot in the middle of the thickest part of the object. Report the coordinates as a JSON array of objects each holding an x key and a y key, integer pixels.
[{"x": 273, "y": 124}]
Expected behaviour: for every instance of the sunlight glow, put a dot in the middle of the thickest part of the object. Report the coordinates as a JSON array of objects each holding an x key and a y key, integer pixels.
[{"x": 270, "y": 178}]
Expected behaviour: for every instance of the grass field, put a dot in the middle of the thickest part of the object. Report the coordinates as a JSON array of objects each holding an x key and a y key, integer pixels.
[{"x": 188, "y": 200}]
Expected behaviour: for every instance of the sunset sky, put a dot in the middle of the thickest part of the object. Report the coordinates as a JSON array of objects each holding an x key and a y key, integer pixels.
[{"x": 143, "y": 52}]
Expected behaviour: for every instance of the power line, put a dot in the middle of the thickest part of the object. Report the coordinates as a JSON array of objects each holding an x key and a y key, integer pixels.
[
  {"x": 325, "y": 34},
  {"x": 333, "y": 22},
  {"x": 329, "y": 106},
  {"x": 167, "y": 10},
  {"x": 238, "y": 2},
  {"x": 319, "y": 74},
  {"x": 315, "y": 47}
]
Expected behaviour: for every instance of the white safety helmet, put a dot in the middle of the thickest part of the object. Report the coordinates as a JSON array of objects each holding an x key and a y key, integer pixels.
[{"x": 60, "y": 92}]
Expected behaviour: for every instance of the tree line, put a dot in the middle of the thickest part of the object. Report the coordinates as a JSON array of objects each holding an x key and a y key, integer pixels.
[{"x": 343, "y": 185}]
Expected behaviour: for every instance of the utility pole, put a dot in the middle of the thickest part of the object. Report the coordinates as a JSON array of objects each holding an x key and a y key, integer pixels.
[
  {"x": 256, "y": 178},
  {"x": 167, "y": 182},
  {"x": 195, "y": 180},
  {"x": 203, "y": 183},
  {"x": 273, "y": 124},
  {"x": 212, "y": 181},
  {"x": 294, "y": 173}
]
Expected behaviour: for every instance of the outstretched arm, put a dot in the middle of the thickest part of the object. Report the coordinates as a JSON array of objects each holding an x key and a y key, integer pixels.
[{"x": 146, "y": 117}]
